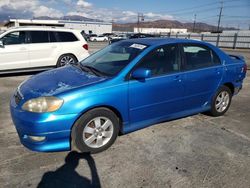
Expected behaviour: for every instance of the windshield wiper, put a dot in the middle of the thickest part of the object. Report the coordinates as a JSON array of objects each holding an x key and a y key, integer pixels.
[{"x": 93, "y": 70}]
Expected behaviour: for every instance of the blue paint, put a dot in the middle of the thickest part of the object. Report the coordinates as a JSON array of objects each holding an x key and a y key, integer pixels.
[{"x": 140, "y": 103}]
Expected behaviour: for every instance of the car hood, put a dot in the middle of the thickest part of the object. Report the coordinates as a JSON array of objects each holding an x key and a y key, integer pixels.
[{"x": 56, "y": 81}]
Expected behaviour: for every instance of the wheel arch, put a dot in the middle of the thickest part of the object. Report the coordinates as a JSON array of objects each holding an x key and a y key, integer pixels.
[
  {"x": 63, "y": 55},
  {"x": 113, "y": 109},
  {"x": 230, "y": 86}
]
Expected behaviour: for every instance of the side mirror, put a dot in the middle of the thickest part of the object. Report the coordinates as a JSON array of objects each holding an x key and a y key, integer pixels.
[
  {"x": 1, "y": 44},
  {"x": 141, "y": 73}
]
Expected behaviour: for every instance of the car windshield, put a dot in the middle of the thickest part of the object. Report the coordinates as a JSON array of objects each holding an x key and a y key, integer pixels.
[{"x": 113, "y": 58}]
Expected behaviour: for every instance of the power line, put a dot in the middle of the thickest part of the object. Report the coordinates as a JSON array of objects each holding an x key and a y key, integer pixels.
[
  {"x": 188, "y": 9},
  {"x": 247, "y": 17},
  {"x": 199, "y": 11}
]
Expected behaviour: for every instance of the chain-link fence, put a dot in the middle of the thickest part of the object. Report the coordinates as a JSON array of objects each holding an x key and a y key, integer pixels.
[{"x": 220, "y": 40}]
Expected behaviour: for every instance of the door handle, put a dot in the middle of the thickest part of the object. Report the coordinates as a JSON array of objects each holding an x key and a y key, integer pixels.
[
  {"x": 54, "y": 47},
  {"x": 218, "y": 71},
  {"x": 177, "y": 78}
]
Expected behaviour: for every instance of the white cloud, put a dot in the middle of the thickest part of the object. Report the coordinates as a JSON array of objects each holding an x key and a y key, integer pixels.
[
  {"x": 74, "y": 13},
  {"x": 83, "y": 4},
  {"x": 36, "y": 8},
  {"x": 45, "y": 11},
  {"x": 18, "y": 5},
  {"x": 152, "y": 16},
  {"x": 30, "y": 7},
  {"x": 129, "y": 13}
]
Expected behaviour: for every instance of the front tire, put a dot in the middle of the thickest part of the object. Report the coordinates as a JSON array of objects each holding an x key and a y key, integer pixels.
[
  {"x": 95, "y": 131},
  {"x": 221, "y": 101}
]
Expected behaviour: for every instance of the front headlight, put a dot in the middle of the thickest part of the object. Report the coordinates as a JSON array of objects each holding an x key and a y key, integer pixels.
[{"x": 43, "y": 104}]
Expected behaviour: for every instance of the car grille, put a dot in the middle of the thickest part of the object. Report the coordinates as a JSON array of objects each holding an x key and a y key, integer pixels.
[{"x": 18, "y": 97}]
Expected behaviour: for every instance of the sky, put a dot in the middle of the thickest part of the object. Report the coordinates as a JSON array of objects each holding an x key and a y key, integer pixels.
[{"x": 236, "y": 13}]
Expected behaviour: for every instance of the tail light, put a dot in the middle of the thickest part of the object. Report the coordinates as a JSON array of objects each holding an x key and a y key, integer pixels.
[{"x": 86, "y": 46}]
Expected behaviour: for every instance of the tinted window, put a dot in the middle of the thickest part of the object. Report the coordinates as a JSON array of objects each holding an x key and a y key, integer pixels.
[
  {"x": 198, "y": 56},
  {"x": 17, "y": 37},
  {"x": 39, "y": 36},
  {"x": 162, "y": 60},
  {"x": 216, "y": 59},
  {"x": 52, "y": 36},
  {"x": 66, "y": 37}
]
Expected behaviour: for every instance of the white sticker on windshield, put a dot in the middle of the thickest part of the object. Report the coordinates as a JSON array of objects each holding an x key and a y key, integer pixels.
[{"x": 138, "y": 46}]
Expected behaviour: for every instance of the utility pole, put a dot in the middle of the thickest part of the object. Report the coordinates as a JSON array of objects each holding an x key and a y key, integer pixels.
[
  {"x": 221, "y": 8},
  {"x": 194, "y": 22},
  {"x": 140, "y": 17}
]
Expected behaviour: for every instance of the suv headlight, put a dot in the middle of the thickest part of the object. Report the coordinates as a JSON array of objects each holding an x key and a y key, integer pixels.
[{"x": 43, "y": 104}]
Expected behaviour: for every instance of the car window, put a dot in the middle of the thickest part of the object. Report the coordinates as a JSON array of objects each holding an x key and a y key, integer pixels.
[
  {"x": 163, "y": 60},
  {"x": 216, "y": 59},
  {"x": 52, "y": 36},
  {"x": 39, "y": 36},
  {"x": 66, "y": 36},
  {"x": 16, "y": 37},
  {"x": 198, "y": 56}
]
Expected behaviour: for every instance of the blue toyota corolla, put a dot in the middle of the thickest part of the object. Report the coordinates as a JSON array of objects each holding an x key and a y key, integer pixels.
[{"x": 124, "y": 87}]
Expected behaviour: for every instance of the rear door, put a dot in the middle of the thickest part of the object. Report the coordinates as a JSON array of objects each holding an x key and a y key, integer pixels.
[
  {"x": 42, "y": 53},
  {"x": 203, "y": 73},
  {"x": 161, "y": 95},
  {"x": 14, "y": 54}
]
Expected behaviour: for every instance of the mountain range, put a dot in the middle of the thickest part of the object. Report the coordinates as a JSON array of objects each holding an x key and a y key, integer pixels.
[{"x": 199, "y": 26}]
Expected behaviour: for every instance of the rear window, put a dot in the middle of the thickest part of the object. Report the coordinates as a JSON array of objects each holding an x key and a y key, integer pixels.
[
  {"x": 199, "y": 56},
  {"x": 66, "y": 37},
  {"x": 39, "y": 36}
]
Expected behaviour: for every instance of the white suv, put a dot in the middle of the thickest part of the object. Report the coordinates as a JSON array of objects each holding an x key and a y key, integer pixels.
[{"x": 39, "y": 48}]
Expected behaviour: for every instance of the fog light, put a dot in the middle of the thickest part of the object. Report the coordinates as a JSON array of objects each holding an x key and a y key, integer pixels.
[{"x": 37, "y": 138}]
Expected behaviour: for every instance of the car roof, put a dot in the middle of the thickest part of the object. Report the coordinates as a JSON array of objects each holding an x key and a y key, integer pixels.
[
  {"x": 41, "y": 28},
  {"x": 162, "y": 41}
]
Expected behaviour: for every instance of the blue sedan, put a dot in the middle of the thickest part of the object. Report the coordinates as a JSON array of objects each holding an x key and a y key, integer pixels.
[{"x": 124, "y": 87}]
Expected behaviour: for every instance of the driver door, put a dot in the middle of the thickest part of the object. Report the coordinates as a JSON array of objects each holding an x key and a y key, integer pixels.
[
  {"x": 15, "y": 52},
  {"x": 160, "y": 96}
]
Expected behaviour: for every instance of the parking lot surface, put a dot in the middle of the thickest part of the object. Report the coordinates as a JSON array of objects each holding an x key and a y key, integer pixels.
[{"x": 197, "y": 151}]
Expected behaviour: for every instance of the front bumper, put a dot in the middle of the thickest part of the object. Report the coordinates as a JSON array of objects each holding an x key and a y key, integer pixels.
[{"x": 56, "y": 129}]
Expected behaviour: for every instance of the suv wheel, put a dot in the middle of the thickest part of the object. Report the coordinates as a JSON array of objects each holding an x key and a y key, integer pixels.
[
  {"x": 95, "y": 131},
  {"x": 221, "y": 101},
  {"x": 66, "y": 59}
]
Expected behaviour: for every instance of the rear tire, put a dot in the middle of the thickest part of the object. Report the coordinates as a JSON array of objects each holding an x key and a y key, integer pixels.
[
  {"x": 95, "y": 131},
  {"x": 221, "y": 101},
  {"x": 65, "y": 60}
]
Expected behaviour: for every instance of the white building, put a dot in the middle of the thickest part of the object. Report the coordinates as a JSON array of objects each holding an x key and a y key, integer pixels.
[
  {"x": 86, "y": 26},
  {"x": 159, "y": 30}
]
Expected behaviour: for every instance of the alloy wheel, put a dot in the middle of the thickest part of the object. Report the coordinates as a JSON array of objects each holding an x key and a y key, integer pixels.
[
  {"x": 98, "y": 132},
  {"x": 66, "y": 60},
  {"x": 222, "y": 101}
]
